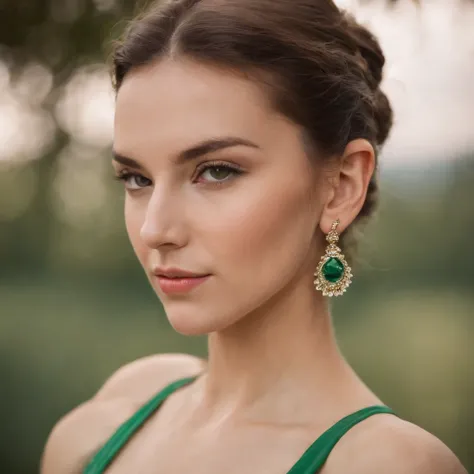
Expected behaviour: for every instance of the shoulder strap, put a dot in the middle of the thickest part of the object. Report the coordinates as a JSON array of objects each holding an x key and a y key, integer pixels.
[
  {"x": 120, "y": 438},
  {"x": 316, "y": 455}
]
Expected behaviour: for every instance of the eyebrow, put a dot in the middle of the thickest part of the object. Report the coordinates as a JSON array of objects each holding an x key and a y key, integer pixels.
[{"x": 204, "y": 148}]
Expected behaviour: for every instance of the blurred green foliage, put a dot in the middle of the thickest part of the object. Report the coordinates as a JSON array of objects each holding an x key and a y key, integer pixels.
[{"x": 74, "y": 305}]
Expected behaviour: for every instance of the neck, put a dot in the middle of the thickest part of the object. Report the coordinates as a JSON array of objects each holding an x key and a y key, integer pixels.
[{"x": 284, "y": 348}]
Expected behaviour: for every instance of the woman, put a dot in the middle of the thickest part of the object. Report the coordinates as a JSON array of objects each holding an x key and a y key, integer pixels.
[{"x": 246, "y": 135}]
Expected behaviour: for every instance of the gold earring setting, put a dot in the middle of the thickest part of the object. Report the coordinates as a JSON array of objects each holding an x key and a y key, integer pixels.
[{"x": 333, "y": 274}]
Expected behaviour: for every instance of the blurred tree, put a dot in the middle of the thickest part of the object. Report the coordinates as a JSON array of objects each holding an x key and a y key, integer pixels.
[{"x": 40, "y": 319}]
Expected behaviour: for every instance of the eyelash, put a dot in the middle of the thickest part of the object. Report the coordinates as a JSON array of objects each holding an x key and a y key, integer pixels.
[{"x": 125, "y": 175}]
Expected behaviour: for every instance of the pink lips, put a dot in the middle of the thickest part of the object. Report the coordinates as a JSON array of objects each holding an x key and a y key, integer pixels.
[
  {"x": 179, "y": 285},
  {"x": 175, "y": 280}
]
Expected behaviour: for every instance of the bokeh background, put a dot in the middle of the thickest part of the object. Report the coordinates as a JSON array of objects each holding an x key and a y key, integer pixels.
[{"x": 74, "y": 304}]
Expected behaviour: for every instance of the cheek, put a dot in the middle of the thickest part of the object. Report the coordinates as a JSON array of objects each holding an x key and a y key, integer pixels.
[{"x": 264, "y": 237}]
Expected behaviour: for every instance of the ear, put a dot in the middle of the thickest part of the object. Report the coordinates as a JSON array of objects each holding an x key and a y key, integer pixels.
[{"x": 348, "y": 185}]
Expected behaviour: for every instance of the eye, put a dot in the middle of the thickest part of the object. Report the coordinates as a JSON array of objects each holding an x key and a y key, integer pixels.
[
  {"x": 218, "y": 172},
  {"x": 133, "y": 181}
]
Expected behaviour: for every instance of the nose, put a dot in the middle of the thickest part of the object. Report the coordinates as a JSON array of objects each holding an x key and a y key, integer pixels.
[{"x": 164, "y": 221}]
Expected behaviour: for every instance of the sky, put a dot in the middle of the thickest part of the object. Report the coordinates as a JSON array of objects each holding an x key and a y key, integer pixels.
[{"x": 429, "y": 78}]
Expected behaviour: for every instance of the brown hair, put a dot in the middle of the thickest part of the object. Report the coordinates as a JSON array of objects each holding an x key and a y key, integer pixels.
[{"x": 322, "y": 69}]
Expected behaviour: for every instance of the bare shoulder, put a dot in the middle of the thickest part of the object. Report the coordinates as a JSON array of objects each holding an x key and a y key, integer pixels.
[
  {"x": 385, "y": 443},
  {"x": 81, "y": 432},
  {"x": 138, "y": 380}
]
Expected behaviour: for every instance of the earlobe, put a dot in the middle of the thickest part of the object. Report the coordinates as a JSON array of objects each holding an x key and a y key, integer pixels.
[{"x": 349, "y": 189}]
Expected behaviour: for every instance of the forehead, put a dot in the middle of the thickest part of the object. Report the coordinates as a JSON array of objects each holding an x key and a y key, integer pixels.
[{"x": 181, "y": 102}]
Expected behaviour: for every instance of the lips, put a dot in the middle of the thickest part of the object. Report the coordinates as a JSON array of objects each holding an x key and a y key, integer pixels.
[
  {"x": 173, "y": 280},
  {"x": 171, "y": 286},
  {"x": 175, "y": 273}
]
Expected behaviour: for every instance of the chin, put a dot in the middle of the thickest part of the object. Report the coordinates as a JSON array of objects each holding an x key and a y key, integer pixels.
[{"x": 190, "y": 323}]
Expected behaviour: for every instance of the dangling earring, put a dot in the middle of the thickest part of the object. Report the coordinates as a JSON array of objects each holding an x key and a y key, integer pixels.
[{"x": 333, "y": 274}]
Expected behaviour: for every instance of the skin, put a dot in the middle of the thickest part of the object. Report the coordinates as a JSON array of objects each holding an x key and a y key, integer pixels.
[{"x": 275, "y": 379}]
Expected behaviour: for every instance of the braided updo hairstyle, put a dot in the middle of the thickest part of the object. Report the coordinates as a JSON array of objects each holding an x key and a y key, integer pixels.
[{"x": 319, "y": 67}]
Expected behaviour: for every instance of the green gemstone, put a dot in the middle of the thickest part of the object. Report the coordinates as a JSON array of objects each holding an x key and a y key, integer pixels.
[{"x": 333, "y": 270}]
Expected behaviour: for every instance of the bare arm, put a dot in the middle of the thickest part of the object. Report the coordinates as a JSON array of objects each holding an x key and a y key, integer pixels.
[
  {"x": 392, "y": 446},
  {"x": 79, "y": 434}
]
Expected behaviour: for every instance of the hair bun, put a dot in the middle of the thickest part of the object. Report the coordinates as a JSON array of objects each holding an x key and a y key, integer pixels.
[
  {"x": 372, "y": 60},
  {"x": 383, "y": 116}
]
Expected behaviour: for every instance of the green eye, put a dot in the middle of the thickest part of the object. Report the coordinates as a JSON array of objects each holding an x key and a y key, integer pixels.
[
  {"x": 218, "y": 172},
  {"x": 133, "y": 181}
]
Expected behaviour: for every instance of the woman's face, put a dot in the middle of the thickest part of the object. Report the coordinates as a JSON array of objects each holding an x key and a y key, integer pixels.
[{"x": 217, "y": 183}]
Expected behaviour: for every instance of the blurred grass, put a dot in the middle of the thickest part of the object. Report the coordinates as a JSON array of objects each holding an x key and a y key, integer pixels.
[
  {"x": 65, "y": 337},
  {"x": 59, "y": 341},
  {"x": 74, "y": 306}
]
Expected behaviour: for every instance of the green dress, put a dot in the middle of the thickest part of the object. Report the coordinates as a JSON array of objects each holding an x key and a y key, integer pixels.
[{"x": 310, "y": 462}]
